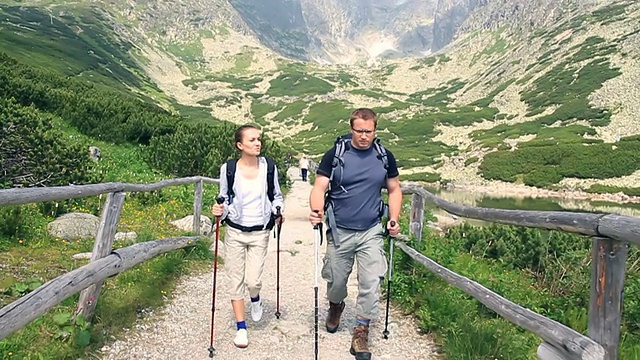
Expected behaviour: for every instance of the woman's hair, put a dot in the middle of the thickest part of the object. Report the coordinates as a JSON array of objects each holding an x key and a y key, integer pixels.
[{"x": 240, "y": 132}]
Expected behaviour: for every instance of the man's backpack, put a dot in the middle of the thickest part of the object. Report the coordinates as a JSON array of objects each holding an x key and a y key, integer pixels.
[
  {"x": 341, "y": 144},
  {"x": 231, "y": 175}
]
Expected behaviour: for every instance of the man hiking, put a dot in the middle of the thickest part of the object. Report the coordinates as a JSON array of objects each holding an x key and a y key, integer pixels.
[{"x": 355, "y": 171}]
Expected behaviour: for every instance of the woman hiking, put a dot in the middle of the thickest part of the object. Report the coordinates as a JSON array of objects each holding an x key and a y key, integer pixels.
[{"x": 249, "y": 211}]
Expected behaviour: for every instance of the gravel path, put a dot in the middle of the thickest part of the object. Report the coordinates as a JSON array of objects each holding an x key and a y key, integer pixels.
[{"x": 181, "y": 329}]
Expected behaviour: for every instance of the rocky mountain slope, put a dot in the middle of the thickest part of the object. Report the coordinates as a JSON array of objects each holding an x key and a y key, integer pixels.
[
  {"x": 510, "y": 74},
  {"x": 476, "y": 95}
]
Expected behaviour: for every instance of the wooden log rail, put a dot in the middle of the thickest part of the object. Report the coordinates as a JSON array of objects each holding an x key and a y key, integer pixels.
[
  {"x": 27, "y": 308},
  {"x": 551, "y": 331},
  {"x": 18, "y": 196},
  {"x": 612, "y": 235},
  {"x": 104, "y": 261},
  {"x": 619, "y": 227}
]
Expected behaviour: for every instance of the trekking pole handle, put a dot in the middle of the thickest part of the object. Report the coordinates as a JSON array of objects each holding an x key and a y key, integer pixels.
[
  {"x": 386, "y": 231},
  {"x": 220, "y": 199},
  {"x": 318, "y": 225},
  {"x": 278, "y": 215}
]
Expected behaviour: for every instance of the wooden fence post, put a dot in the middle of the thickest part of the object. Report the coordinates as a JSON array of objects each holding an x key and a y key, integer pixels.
[
  {"x": 417, "y": 216},
  {"x": 101, "y": 248},
  {"x": 607, "y": 286},
  {"x": 197, "y": 206}
]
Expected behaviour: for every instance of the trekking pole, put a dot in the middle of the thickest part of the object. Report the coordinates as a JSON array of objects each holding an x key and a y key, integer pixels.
[
  {"x": 219, "y": 200},
  {"x": 385, "y": 333},
  {"x": 279, "y": 229},
  {"x": 316, "y": 244}
]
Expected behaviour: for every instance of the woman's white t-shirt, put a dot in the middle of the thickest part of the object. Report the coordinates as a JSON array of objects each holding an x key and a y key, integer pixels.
[{"x": 251, "y": 201}]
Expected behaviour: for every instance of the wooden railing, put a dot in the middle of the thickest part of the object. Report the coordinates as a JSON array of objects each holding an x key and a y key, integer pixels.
[
  {"x": 611, "y": 237},
  {"x": 105, "y": 261}
]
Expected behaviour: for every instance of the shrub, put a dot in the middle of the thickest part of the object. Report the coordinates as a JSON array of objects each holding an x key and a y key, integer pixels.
[
  {"x": 94, "y": 109},
  {"x": 32, "y": 153},
  {"x": 547, "y": 164},
  {"x": 200, "y": 149}
]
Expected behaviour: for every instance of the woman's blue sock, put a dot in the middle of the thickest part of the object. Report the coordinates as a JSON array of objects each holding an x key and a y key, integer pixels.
[
  {"x": 255, "y": 299},
  {"x": 241, "y": 325}
]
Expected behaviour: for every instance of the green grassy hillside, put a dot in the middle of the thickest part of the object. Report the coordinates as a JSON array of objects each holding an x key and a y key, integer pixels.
[
  {"x": 78, "y": 41},
  {"x": 490, "y": 98}
]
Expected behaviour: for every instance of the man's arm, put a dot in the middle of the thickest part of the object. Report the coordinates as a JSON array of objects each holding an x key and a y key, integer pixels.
[
  {"x": 395, "y": 194},
  {"x": 316, "y": 199},
  {"x": 320, "y": 186},
  {"x": 395, "y": 198}
]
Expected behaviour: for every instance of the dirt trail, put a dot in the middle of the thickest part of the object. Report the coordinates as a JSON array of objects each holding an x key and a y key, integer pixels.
[{"x": 181, "y": 329}]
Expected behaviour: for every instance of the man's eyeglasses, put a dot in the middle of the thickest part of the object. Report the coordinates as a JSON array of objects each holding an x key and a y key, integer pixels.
[{"x": 364, "y": 131}]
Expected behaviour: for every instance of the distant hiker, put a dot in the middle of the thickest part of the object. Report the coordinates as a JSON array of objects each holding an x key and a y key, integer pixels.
[
  {"x": 355, "y": 170},
  {"x": 248, "y": 213},
  {"x": 304, "y": 167}
]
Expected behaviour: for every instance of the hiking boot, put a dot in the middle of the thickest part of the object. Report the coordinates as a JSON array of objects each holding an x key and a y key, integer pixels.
[
  {"x": 333, "y": 319},
  {"x": 360, "y": 343}
]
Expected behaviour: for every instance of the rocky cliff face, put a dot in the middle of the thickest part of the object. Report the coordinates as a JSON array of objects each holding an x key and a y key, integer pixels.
[
  {"x": 340, "y": 31},
  {"x": 520, "y": 15},
  {"x": 345, "y": 31},
  {"x": 279, "y": 24},
  {"x": 178, "y": 21},
  {"x": 449, "y": 16},
  {"x": 415, "y": 31},
  {"x": 355, "y": 29}
]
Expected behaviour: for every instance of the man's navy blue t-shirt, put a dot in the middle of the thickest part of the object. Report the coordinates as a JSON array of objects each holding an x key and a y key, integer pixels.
[{"x": 356, "y": 201}]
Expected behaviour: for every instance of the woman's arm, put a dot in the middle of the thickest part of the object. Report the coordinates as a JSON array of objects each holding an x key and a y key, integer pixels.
[
  {"x": 224, "y": 189},
  {"x": 278, "y": 199}
]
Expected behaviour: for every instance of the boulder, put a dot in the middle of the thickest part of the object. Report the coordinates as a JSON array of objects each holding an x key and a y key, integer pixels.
[
  {"x": 186, "y": 224},
  {"x": 74, "y": 226},
  {"x": 126, "y": 236}
]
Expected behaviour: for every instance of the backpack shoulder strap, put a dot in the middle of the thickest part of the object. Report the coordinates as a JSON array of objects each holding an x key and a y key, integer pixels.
[
  {"x": 382, "y": 152},
  {"x": 271, "y": 170},
  {"x": 231, "y": 172},
  {"x": 231, "y": 175},
  {"x": 341, "y": 146}
]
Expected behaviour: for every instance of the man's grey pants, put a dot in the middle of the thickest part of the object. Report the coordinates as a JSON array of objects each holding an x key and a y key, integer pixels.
[{"x": 367, "y": 247}]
